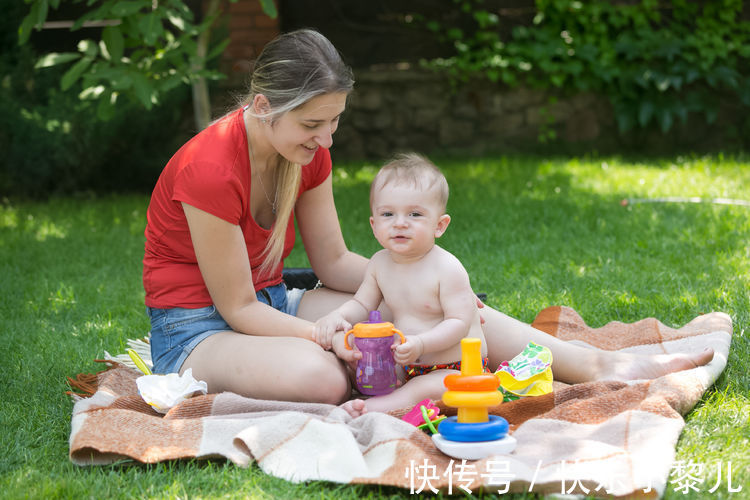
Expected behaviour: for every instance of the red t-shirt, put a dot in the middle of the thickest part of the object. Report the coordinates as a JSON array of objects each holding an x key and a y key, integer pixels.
[{"x": 212, "y": 173}]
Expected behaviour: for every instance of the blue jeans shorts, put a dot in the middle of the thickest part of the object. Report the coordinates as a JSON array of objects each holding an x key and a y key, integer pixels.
[{"x": 175, "y": 332}]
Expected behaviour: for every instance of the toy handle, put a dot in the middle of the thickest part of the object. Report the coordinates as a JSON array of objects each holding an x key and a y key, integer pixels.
[
  {"x": 399, "y": 334},
  {"x": 346, "y": 341}
]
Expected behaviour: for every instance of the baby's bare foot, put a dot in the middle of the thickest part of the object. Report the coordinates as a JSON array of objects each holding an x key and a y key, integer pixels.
[
  {"x": 635, "y": 367},
  {"x": 355, "y": 407}
]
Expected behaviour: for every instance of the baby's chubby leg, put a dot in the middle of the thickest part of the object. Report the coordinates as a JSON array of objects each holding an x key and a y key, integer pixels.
[{"x": 410, "y": 393}]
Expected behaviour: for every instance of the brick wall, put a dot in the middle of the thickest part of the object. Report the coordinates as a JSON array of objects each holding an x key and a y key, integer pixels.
[{"x": 249, "y": 30}]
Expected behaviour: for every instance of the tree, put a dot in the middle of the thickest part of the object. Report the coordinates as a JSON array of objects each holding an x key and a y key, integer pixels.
[{"x": 146, "y": 48}]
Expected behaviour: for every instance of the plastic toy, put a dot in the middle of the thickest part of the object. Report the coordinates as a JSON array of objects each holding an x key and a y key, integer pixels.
[
  {"x": 376, "y": 370},
  {"x": 473, "y": 433},
  {"x": 527, "y": 374},
  {"x": 425, "y": 416}
]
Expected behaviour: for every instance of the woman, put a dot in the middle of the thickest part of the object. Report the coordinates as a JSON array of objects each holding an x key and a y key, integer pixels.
[{"x": 221, "y": 220}]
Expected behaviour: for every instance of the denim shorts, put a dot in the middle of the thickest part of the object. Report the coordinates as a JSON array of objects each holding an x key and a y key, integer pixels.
[{"x": 175, "y": 332}]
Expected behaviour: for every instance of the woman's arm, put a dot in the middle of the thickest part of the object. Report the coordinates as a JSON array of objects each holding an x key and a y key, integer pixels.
[
  {"x": 223, "y": 261},
  {"x": 333, "y": 263}
]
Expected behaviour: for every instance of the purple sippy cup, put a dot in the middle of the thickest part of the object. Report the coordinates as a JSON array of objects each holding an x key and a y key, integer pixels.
[{"x": 376, "y": 370}]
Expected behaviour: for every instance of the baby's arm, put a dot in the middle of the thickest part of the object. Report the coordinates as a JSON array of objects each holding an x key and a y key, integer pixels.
[
  {"x": 367, "y": 298},
  {"x": 457, "y": 301}
]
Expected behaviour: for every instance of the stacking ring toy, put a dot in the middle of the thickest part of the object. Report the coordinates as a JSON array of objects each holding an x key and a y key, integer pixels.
[
  {"x": 452, "y": 430},
  {"x": 473, "y": 433},
  {"x": 456, "y": 382}
]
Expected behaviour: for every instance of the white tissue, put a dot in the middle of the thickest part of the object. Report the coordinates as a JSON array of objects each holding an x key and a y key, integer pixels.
[{"x": 163, "y": 392}]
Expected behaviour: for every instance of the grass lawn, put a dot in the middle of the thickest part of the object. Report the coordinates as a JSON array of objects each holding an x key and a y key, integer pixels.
[{"x": 532, "y": 232}]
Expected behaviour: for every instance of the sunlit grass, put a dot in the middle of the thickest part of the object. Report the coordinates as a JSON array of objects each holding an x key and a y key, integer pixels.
[{"x": 532, "y": 232}]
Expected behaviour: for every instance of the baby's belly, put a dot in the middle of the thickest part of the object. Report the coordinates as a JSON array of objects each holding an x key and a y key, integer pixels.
[{"x": 453, "y": 353}]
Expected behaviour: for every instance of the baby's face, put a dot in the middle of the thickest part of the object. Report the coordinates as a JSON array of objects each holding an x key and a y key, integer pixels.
[{"x": 406, "y": 220}]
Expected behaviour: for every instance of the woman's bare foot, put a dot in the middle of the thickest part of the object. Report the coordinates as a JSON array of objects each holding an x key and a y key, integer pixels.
[
  {"x": 637, "y": 366},
  {"x": 355, "y": 407}
]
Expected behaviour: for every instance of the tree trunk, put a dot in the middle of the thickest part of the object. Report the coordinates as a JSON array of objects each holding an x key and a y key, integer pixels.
[{"x": 201, "y": 99}]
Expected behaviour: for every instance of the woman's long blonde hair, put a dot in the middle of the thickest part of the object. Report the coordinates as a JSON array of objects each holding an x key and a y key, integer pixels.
[{"x": 291, "y": 70}]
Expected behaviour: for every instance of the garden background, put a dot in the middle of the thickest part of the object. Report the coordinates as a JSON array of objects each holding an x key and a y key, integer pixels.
[{"x": 544, "y": 115}]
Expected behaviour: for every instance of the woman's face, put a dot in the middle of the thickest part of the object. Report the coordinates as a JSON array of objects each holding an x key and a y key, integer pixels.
[{"x": 298, "y": 134}]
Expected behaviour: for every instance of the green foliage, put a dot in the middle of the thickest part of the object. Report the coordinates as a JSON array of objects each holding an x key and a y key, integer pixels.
[
  {"x": 146, "y": 49},
  {"x": 52, "y": 142},
  {"x": 656, "y": 64}
]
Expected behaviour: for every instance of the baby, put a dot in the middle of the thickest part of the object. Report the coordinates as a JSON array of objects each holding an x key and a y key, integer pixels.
[{"x": 425, "y": 287}]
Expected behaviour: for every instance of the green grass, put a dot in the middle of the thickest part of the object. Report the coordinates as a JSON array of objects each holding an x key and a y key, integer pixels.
[{"x": 532, "y": 232}]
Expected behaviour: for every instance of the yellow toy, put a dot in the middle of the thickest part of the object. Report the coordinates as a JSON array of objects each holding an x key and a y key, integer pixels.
[{"x": 473, "y": 433}]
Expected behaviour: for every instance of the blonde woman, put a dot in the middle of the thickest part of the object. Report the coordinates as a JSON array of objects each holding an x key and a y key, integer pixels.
[{"x": 221, "y": 221}]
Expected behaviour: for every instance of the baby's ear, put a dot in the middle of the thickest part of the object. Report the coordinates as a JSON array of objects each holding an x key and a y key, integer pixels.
[{"x": 442, "y": 225}]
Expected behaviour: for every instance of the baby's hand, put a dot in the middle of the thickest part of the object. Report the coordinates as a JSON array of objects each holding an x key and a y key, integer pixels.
[
  {"x": 326, "y": 327},
  {"x": 408, "y": 352}
]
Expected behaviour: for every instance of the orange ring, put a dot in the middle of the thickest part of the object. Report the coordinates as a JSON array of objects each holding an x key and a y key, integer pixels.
[{"x": 457, "y": 382}]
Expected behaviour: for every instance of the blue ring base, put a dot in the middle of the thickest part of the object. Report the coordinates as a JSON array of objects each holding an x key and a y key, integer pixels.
[{"x": 452, "y": 430}]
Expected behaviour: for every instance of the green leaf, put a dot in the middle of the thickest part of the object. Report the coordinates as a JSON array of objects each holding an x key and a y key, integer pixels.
[
  {"x": 28, "y": 23},
  {"x": 74, "y": 73},
  {"x": 113, "y": 39},
  {"x": 176, "y": 20},
  {"x": 665, "y": 120},
  {"x": 88, "y": 47},
  {"x": 124, "y": 9},
  {"x": 645, "y": 112},
  {"x": 41, "y": 14},
  {"x": 105, "y": 110},
  {"x": 91, "y": 92},
  {"x": 143, "y": 89},
  {"x": 55, "y": 58},
  {"x": 269, "y": 7},
  {"x": 219, "y": 49},
  {"x": 151, "y": 28}
]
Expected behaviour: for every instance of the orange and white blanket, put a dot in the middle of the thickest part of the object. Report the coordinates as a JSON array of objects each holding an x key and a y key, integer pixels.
[{"x": 600, "y": 438}]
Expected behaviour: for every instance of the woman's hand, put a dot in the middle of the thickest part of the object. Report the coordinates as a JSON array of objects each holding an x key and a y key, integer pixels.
[{"x": 327, "y": 326}]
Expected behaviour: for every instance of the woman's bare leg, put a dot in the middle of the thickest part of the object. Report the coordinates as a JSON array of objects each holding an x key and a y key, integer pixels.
[
  {"x": 277, "y": 368},
  {"x": 506, "y": 337}
]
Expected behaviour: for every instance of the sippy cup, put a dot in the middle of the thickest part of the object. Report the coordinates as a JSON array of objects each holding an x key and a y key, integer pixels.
[{"x": 376, "y": 371}]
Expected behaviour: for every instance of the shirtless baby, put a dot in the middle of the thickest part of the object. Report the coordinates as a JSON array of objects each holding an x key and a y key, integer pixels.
[{"x": 425, "y": 287}]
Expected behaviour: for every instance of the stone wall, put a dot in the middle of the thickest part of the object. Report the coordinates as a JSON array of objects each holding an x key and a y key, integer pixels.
[
  {"x": 405, "y": 109},
  {"x": 398, "y": 109}
]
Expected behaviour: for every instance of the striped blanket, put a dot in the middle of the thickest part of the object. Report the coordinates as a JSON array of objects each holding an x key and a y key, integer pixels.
[{"x": 602, "y": 438}]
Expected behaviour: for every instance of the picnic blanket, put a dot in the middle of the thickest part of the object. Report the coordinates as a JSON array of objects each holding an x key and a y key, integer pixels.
[{"x": 603, "y": 438}]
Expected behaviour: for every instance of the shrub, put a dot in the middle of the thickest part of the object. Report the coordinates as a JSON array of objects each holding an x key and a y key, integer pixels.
[
  {"x": 656, "y": 63},
  {"x": 53, "y": 142}
]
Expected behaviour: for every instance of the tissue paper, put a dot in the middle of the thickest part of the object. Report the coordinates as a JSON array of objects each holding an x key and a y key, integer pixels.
[{"x": 163, "y": 392}]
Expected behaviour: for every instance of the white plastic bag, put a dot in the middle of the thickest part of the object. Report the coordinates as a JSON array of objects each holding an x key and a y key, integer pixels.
[{"x": 163, "y": 392}]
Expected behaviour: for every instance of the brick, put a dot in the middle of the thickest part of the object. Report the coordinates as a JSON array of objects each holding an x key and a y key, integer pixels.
[
  {"x": 263, "y": 21},
  {"x": 245, "y": 7}
]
